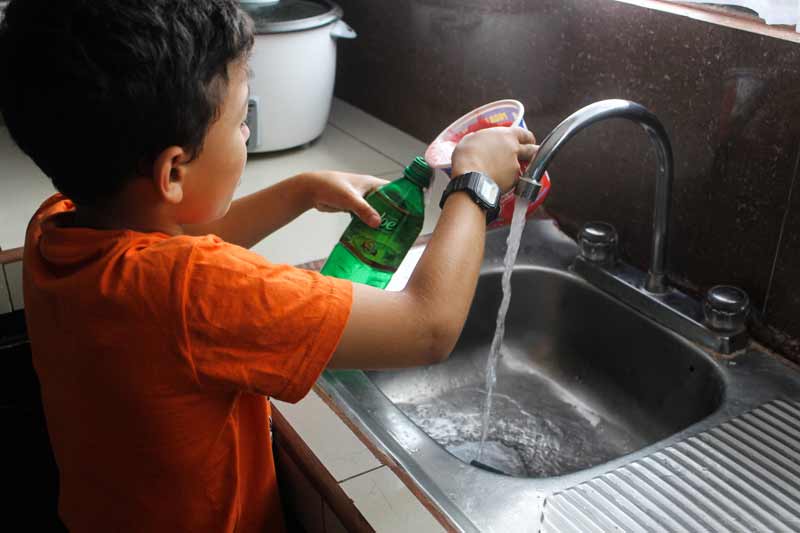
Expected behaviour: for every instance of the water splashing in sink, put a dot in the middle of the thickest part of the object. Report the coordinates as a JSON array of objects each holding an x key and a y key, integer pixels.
[{"x": 514, "y": 238}]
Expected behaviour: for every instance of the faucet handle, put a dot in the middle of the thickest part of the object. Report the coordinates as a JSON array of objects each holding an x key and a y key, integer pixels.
[
  {"x": 726, "y": 308},
  {"x": 598, "y": 243}
]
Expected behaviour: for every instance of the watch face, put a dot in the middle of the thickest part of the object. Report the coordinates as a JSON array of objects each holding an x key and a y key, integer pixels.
[{"x": 489, "y": 191}]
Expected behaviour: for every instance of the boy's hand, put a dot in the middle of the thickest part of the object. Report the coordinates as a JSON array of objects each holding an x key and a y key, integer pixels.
[
  {"x": 496, "y": 152},
  {"x": 341, "y": 191}
]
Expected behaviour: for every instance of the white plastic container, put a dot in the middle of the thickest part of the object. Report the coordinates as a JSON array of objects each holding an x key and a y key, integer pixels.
[{"x": 293, "y": 67}]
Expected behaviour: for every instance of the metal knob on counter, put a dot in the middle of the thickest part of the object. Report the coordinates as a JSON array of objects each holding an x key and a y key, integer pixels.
[
  {"x": 726, "y": 308},
  {"x": 598, "y": 243}
]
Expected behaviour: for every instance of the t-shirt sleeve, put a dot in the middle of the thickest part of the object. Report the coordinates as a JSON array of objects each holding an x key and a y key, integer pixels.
[{"x": 257, "y": 326}]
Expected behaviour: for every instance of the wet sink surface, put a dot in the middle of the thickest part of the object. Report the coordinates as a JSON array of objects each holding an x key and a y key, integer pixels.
[{"x": 573, "y": 388}]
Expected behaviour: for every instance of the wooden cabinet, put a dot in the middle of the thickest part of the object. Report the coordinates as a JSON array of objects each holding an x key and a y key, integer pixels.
[{"x": 30, "y": 476}]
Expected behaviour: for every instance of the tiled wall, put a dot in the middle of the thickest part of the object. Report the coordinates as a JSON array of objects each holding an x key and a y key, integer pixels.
[{"x": 729, "y": 99}]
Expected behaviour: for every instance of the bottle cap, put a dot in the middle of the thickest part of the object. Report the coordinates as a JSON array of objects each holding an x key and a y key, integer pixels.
[{"x": 419, "y": 172}]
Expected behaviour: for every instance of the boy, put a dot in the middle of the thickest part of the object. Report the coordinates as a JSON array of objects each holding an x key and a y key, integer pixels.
[{"x": 156, "y": 336}]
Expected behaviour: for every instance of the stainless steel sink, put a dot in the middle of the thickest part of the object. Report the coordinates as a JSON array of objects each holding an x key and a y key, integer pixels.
[
  {"x": 585, "y": 385},
  {"x": 574, "y": 388}
]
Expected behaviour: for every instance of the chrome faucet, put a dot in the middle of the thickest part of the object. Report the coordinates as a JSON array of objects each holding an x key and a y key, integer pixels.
[
  {"x": 528, "y": 186},
  {"x": 719, "y": 322}
]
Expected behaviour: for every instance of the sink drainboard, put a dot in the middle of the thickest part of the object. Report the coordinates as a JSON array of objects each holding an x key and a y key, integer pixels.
[{"x": 743, "y": 475}]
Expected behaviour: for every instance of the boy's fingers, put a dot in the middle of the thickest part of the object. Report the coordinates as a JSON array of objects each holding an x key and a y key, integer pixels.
[
  {"x": 524, "y": 136},
  {"x": 366, "y": 213},
  {"x": 527, "y": 151},
  {"x": 377, "y": 182}
]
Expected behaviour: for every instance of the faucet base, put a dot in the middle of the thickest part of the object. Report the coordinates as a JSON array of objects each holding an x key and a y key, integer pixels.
[{"x": 672, "y": 308}]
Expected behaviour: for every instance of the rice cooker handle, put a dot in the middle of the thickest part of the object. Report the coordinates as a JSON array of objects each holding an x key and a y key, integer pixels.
[{"x": 341, "y": 30}]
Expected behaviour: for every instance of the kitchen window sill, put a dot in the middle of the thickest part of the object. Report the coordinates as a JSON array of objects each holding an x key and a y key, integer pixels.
[{"x": 722, "y": 16}]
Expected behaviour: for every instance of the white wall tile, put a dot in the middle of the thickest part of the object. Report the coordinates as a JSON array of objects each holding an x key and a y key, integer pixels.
[
  {"x": 5, "y": 299},
  {"x": 342, "y": 453},
  {"x": 25, "y": 187},
  {"x": 386, "y": 139},
  {"x": 14, "y": 279},
  {"x": 388, "y": 505}
]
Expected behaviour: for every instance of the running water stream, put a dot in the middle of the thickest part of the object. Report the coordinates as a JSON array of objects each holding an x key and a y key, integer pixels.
[{"x": 512, "y": 243}]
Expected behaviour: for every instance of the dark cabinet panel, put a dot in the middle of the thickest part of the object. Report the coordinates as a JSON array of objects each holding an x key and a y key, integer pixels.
[{"x": 30, "y": 475}]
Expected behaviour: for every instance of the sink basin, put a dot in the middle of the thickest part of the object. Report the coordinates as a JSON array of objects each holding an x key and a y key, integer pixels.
[
  {"x": 581, "y": 380},
  {"x": 588, "y": 391}
]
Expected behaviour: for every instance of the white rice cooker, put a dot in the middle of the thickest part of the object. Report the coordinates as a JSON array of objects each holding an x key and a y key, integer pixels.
[{"x": 293, "y": 67}]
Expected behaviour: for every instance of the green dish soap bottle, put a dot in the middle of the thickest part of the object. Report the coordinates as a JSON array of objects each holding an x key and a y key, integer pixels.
[{"x": 371, "y": 255}]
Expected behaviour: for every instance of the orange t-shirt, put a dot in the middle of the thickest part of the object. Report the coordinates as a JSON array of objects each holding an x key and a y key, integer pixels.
[{"x": 155, "y": 356}]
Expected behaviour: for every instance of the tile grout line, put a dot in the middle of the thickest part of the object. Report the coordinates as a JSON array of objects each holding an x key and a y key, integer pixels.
[
  {"x": 387, "y": 156},
  {"x": 361, "y": 474},
  {"x": 374, "y": 149},
  {"x": 783, "y": 227}
]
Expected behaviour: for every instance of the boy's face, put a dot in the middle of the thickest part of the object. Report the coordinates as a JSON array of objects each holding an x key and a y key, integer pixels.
[{"x": 213, "y": 176}]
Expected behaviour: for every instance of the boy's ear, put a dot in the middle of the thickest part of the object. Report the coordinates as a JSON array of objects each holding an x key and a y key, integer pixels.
[{"x": 169, "y": 174}]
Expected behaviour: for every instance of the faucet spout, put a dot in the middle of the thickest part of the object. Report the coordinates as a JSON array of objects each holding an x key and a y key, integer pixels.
[{"x": 529, "y": 183}]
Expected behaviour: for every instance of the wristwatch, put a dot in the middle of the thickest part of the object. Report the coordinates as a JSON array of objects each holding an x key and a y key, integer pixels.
[{"x": 481, "y": 188}]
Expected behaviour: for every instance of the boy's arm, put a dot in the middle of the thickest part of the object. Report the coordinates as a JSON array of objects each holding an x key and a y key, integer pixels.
[
  {"x": 251, "y": 218},
  {"x": 421, "y": 324}
]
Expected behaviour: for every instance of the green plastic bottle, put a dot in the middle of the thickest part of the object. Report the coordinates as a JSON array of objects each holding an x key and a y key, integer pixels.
[{"x": 371, "y": 255}]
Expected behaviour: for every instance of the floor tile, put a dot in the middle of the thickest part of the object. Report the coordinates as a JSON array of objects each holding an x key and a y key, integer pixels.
[
  {"x": 14, "y": 280},
  {"x": 388, "y": 505},
  {"x": 386, "y": 139},
  {"x": 328, "y": 437}
]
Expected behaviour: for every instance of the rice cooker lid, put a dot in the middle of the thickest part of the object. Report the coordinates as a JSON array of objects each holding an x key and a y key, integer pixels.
[{"x": 280, "y": 16}]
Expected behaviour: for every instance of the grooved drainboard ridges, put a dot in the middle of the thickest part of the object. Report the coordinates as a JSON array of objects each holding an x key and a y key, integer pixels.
[{"x": 740, "y": 476}]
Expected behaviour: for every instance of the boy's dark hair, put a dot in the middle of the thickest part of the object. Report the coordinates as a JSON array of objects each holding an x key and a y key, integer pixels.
[{"x": 94, "y": 90}]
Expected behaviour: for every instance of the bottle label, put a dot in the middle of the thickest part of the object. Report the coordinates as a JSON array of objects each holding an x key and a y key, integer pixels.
[{"x": 383, "y": 248}]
